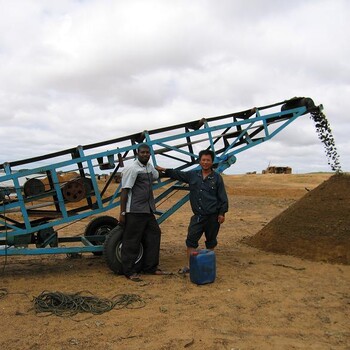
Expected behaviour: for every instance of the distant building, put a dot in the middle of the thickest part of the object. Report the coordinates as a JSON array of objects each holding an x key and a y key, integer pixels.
[{"x": 277, "y": 170}]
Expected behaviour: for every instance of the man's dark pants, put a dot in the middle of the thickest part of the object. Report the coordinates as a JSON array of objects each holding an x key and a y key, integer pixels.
[{"x": 140, "y": 228}]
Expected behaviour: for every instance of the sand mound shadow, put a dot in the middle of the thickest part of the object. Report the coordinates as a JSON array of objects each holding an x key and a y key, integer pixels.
[{"x": 317, "y": 227}]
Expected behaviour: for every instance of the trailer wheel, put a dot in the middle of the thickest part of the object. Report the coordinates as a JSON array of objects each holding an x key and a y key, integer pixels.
[
  {"x": 112, "y": 251},
  {"x": 100, "y": 226}
]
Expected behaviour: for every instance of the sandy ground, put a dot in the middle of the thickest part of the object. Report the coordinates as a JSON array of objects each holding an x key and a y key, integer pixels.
[{"x": 259, "y": 300}]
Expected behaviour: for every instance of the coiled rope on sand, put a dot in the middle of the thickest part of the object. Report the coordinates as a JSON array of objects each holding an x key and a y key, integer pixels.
[{"x": 66, "y": 305}]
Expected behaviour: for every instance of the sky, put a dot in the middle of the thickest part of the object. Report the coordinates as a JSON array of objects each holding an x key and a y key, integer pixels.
[{"x": 79, "y": 72}]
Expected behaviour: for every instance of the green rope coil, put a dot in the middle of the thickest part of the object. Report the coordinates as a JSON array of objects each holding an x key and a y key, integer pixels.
[{"x": 66, "y": 305}]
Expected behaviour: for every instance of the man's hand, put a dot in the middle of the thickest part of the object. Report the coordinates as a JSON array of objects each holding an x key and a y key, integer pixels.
[
  {"x": 221, "y": 219},
  {"x": 159, "y": 168},
  {"x": 122, "y": 219}
]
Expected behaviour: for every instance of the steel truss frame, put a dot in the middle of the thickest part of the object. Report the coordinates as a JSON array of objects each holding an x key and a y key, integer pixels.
[{"x": 177, "y": 145}]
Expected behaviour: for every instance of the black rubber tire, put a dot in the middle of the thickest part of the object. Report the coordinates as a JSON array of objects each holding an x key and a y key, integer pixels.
[
  {"x": 299, "y": 102},
  {"x": 112, "y": 251},
  {"x": 101, "y": 225}
]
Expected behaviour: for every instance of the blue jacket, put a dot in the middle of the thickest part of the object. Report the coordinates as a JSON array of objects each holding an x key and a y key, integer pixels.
[{"x": 207, "y": 196}]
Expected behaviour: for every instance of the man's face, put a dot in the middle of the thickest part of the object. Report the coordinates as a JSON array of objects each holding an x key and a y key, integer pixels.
[
  {"x": 206, "y": 162},
  {"x": 143, "y": 155}
]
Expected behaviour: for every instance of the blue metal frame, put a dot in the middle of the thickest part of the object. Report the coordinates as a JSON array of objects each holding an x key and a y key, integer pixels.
[{"x": 226, "y": 135}]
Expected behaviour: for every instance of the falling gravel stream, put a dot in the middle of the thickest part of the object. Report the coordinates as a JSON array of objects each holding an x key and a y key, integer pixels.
[{"x": 325, "y": 135}]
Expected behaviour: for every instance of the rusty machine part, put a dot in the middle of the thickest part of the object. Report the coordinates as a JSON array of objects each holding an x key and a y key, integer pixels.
[
  {"x": 74, "y": 190},
  {"x": 33, "y": 187}
]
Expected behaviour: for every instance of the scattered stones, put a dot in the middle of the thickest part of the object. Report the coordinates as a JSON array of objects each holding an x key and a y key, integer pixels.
[{"x": 325, "y": 135}]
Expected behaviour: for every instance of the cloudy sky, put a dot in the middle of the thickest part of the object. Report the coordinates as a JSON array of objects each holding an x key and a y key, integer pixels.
[{"x": 78, "y": 72}]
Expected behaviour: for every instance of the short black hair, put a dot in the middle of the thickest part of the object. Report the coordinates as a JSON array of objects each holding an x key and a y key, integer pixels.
[
  {"x": 207, "y": 152},
  {"x": 143, "y": 145}
]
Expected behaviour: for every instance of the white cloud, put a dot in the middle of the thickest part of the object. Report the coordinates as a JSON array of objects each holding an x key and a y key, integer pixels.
[{"x": 70, "y": 68}]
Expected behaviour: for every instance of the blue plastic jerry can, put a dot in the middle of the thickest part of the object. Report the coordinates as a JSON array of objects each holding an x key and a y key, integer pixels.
[{"x": 202, "y": 266}]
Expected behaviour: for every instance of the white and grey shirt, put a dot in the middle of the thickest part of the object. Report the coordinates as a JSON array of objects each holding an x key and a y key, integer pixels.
[{"x": 139, "y": 178}]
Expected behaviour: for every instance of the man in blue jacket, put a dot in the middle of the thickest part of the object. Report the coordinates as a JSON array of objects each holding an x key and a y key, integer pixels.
[{"x": 208, "y": 200}]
